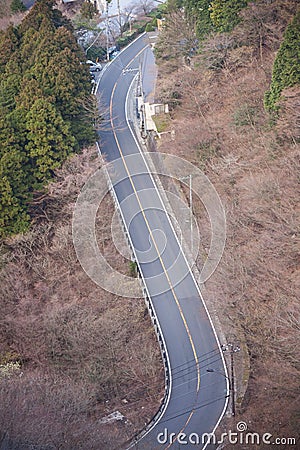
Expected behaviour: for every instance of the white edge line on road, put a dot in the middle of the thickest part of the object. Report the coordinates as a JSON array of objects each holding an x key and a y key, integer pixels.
[
  {"x": 168, "y": 381},
  {"x": 193, "y": 277}
]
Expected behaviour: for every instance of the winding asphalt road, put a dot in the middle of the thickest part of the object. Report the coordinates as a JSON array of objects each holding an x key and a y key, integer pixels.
[{"x": 196, "y": 399}]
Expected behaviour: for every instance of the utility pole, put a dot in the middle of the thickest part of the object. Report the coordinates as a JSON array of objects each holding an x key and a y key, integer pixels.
[{"x": 106, "y": 26}]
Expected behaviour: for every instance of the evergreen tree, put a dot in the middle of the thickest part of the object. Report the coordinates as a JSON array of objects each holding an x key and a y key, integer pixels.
[
  {"x": 31, "y": 43},
  {"x": 49, "y": 140},
  {"x": 286, "y": 69},
  {"x": 171, "y": 5},
  {"x": 27, "y": 48},
  {"x": 224, "y": 14},
  {"x": 32, "y": 91},
  {"x": 11, "y": 165},
  {"x": 14, "y": 160},
  {"x": 44, "y": 9},
  {"x": 13, "y": 182},
  {"x": 69, "y": 82},
  {"x": 88, "y": 10}
]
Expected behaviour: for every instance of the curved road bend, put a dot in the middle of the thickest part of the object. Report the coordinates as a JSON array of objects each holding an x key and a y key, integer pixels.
[{"x": 197, "y": 399}]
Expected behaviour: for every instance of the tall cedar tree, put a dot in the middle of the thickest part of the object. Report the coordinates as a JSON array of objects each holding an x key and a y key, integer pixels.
[
  {"x": 17, "y": 6},
  {"x": 49, "y": 139},
  {"x": 9, "y": 42},
  {"x": 198, "y": 14},
  {"x": 286, "y": 69}
]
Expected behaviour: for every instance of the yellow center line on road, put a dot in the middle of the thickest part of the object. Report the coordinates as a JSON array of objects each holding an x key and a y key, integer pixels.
[{"x": 155, "y": 244}]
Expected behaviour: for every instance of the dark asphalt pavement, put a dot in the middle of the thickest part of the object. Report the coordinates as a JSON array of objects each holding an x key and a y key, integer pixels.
[{"x": 197, "y": 398}]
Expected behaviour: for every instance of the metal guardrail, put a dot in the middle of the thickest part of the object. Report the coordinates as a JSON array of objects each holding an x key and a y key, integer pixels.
[{"x": 152, "y": 313}]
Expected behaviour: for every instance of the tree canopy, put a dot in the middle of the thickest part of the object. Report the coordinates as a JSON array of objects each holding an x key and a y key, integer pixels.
[
  {"x": 43, "y": 90},
  {"x": 17, "y": 6}
]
